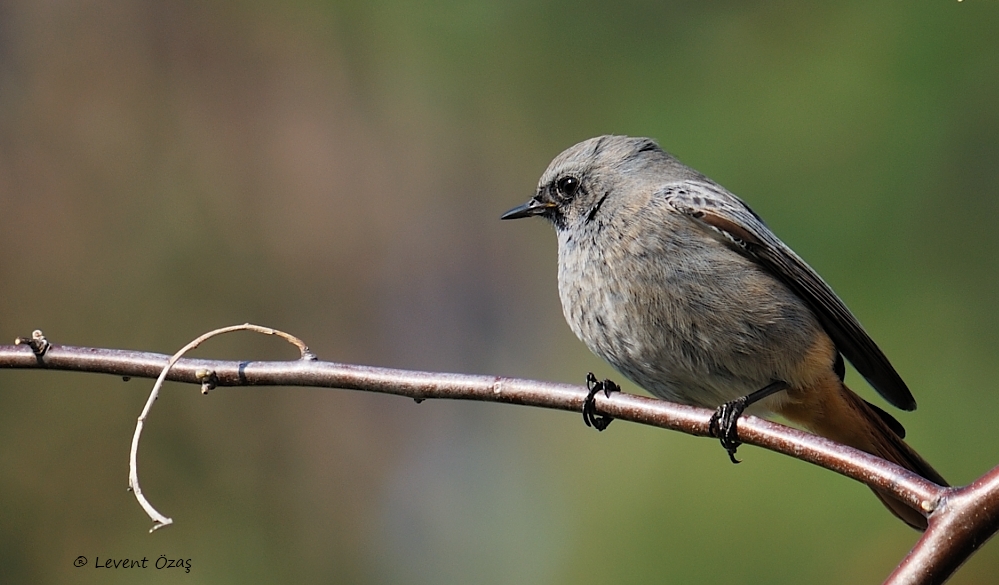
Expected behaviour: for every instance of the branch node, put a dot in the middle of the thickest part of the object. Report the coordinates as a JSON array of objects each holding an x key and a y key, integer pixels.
[
  {"x": 209, "y": 380},
  {"x": 37, "y": 342}
]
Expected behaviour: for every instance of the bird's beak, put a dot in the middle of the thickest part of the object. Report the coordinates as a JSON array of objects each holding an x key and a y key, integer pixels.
[{"x": 529, "y": 209}]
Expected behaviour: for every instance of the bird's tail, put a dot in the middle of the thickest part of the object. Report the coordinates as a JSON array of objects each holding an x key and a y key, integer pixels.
[{"x": 837, "y": 413}]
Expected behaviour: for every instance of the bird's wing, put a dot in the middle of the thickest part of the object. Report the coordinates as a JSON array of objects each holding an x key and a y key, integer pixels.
[{"x": 723, "y": 212}]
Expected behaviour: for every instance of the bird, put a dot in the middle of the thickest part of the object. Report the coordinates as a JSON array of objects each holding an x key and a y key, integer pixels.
[{"x": 683, "y": 289}]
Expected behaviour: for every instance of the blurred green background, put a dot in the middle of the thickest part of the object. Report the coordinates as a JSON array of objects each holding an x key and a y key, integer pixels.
[{"x": 337, "y": 170}]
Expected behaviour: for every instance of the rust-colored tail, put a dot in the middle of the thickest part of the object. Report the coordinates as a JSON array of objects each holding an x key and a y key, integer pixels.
[{"x": 834, "y": 411}]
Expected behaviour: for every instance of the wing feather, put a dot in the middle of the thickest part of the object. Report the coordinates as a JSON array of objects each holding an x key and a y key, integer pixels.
[{"x": 723, "y": 212}]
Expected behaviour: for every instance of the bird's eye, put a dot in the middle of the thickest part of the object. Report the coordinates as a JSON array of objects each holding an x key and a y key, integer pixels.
[{"x": 567, "y": 186}]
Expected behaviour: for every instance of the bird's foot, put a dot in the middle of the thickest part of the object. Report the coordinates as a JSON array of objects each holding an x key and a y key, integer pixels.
[
  {"x": 723, "y": 425},
  {"x": 590, "y": 415}
]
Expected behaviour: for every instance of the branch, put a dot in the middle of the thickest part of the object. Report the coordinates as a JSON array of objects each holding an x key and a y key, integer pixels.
[
  {"x": 960, "y": 519},
  {"x": 39, "y": 345},
  {"x": 965, "y": 519}
]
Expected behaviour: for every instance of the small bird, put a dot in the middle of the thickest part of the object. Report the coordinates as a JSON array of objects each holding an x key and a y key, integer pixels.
[{"x": 683, "y": 289}]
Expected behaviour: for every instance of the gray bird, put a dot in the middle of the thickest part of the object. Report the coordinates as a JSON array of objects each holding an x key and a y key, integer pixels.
[{"x": 682, "y": 288}]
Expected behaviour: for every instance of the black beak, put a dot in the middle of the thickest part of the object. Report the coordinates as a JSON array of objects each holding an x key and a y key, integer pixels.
[{"x": 529, "y": 209}]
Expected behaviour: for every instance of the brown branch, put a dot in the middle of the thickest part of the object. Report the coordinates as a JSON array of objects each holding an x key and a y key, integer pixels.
[
  {"x": 965, "y": 519},
  {"x": 960, "y": 519}
]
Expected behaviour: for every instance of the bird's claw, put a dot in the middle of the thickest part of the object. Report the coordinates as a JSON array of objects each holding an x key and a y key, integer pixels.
[
  {"x": 723, "y": 425},
  {"x": 590, "y": 415}
]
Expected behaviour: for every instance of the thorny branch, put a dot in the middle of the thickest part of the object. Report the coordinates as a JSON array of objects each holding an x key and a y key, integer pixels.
[{"x": 961, "y": 519}]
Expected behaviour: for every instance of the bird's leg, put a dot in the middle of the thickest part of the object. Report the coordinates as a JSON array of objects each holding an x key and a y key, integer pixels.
[
  {"x": 590, "y": 416},
  {"x": 723, "y": 421}
]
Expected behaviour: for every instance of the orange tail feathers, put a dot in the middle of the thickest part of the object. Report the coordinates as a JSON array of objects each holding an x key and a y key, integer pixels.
[{"x": 834, "y": 411}]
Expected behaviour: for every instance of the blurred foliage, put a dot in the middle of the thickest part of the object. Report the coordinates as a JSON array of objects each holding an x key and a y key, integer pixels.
[{"x": 337, "y": 169}]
